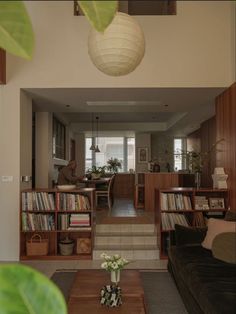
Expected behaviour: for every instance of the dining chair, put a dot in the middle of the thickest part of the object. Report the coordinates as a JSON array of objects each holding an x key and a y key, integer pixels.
[{"x": 106, "y": 193}]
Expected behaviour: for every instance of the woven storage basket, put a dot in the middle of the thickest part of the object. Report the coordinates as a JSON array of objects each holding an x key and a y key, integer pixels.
[
  {"x": 37, "y": 246},
  {"x": 83, "y": 246}
]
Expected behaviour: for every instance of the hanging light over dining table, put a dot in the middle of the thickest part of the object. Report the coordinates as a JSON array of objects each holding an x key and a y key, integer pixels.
[
  {"x": 120, "y": 49},
  {"x": 97, "y": 150},
  {"x": 92, "y": 147}
]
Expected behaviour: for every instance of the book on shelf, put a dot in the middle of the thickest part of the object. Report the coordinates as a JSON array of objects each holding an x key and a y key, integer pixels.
[
  {"x": 73, "y": 202},
  {"x": 201, "y": 202},
  {"x": 67, "y": 221},
  {"x": 169, "y": 220},
  {"x": 78, "y": 220},
  {"x": 37, "y": 201},
  {"x": 40, "y": 222},
  {"x": 175, "y": 201}
]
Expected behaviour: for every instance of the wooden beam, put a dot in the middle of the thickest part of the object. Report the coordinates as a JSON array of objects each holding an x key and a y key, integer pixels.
[{"x": 2, "y": 66}]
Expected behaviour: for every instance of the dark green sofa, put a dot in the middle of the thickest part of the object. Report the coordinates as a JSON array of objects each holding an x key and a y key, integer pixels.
[{"x": 206, "y": 284}]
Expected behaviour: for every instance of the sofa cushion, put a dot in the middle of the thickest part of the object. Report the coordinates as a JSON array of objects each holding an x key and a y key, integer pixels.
[
  {"x": 224, "y": 247},
  {"x": 211, "y": 282},
  {"x": 215, "y": 227},
  {"x": 189, "y": 235}
]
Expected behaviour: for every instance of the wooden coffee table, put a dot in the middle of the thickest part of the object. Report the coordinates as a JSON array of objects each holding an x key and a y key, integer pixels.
[{"x": 85, "y": 293}]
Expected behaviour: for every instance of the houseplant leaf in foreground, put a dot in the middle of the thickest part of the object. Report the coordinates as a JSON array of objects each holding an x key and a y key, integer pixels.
[
  {"x": 24, "y": 290},
  {"x": 99, "y": 13},
  {"x": 16, "y": 33}
]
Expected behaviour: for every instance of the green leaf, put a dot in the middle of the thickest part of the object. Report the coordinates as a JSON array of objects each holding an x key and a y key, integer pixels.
[
  {"x": 24, "y": 290},
  {"x": 99, "y": 13},
  {"x": 16, "y": 33}
]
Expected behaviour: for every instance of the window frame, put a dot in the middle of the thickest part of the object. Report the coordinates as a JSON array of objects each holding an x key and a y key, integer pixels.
[{"x": 125, "y": 151}]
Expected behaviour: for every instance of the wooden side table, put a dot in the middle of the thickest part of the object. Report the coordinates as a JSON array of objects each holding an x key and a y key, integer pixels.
[{"x": 85, "y": 293}]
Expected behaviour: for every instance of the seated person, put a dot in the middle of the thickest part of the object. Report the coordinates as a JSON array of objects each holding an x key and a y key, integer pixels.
[{"x": 66, "y": 174}]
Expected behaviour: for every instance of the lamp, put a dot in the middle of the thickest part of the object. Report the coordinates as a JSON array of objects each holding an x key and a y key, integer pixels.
[
  {"x": 97, "y": 150},
  {"x": 92, "y": 147},
  {"x": 120, "y": 49}
]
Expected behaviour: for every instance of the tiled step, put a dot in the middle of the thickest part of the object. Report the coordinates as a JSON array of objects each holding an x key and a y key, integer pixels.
[
  {"x": 130, "y": 253},
  {"x": 126, "y": 239},
  {"x": 124, "y": 228},
  {"x": 131, "y": 241}
]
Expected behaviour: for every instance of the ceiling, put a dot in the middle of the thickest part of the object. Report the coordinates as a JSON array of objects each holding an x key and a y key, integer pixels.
[{"x": 178, "y": 110}]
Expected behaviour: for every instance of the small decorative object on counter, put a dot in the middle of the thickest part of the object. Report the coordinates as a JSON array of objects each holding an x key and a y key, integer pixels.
[
  {"x": 156, "y": 167},
  {"x": 219, "y": 178},
  {"x": 111, "y": 296}
]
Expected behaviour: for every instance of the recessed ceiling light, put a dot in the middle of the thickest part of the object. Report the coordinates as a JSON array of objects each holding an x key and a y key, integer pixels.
[
  {"x": 68, "y": 106},
  {"x": 166, "y": 105}
]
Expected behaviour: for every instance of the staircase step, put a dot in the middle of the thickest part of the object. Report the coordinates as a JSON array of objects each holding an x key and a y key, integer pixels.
[
  {"x": 130, "y": 253},
  {"x": 126, "y": 239},
  {"x": 125, "y": 228}
]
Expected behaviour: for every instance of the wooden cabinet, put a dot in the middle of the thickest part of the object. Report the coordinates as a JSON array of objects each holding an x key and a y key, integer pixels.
[
  {"x": 124, "y": 185},
  {"x": 189, "y": 207},
  {"x": 53, "y": 216}
]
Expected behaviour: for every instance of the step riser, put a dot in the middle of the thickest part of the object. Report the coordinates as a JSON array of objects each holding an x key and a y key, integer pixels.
[
  {"x": 126, "y": 240},
  {"x": 145, "y": 228},
  {"x": 130, "y": 255}
]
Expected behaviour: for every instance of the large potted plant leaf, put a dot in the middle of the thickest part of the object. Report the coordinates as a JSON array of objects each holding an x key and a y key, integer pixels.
[{"x": 24, "y": 290}]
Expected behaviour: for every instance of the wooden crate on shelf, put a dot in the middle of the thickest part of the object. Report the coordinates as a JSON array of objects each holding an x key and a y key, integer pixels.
[{"x": 83, "y": 246}]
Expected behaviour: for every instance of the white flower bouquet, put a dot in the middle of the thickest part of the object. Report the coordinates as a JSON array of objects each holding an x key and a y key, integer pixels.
[{"x": 113, "y": 263}]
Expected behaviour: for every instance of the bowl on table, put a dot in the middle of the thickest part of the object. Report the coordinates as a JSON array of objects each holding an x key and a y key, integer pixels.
[{"x": 68, "y": 187}]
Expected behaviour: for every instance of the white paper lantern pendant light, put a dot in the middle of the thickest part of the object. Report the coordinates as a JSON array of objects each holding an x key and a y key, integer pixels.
[{"x": 120, "y": 49}]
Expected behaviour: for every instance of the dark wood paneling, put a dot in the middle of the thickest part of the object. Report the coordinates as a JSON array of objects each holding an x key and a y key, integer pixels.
[
  {"x": 226, "y": 129},
  {"x": 158, "y": 181},
  {"x": 2, "y": 66},
  {"x": 124, "y": 185},
  {"x": 208, "y": 140},
  {"x": 141, "y": 7},
  {"x": 203, "y": 140},
  {"x": 152, "y": 7}
]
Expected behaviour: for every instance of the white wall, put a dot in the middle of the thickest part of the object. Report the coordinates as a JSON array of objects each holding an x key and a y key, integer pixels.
[
  {"x": 162, "y": 149},
  {"x": 142, "y": 140},
  {"x": 80, "y": 153},
  {"x": 192, "y": 49},
  {"x": 25, "y": 138},
  {"x": 43, "y": 149}
]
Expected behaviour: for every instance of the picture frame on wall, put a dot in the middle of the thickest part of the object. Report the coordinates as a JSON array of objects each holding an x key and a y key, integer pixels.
[{"x": 142, "y": 153}]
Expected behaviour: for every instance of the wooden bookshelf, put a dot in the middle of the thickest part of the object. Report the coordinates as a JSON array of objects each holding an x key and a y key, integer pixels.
[
  {"x": 55, "y": 215},
  {"x": 187, "y": 206}
]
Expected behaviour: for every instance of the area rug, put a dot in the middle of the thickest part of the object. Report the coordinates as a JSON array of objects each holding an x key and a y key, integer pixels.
[{"x": 161, "y": 294}]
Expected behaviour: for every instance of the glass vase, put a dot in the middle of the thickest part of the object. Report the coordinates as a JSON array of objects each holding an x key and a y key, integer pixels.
[
  {"x": 115, "y": 276},
  {"x": 197, "y": 180}
]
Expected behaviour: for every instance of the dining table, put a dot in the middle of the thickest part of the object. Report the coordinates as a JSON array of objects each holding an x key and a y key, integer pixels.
[{"x": 94, "y": 183}]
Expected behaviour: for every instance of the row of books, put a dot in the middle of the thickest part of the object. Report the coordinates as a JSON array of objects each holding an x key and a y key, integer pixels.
[
  {"x": 175, "y": 201},
  {"x": 68, "y": 201},
  {"x": 73, "y": 221},
  {"x": 169, "y": 220},
  {"x": 37, "y": 201},
  {"x": 201, "y": 202},
  {"x": 32, "y": 222}
]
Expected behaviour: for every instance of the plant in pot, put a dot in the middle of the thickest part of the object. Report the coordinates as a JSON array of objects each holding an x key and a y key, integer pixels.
[
  {"x": 25, "y": 290},
  {"x": 114, "y": 164},
  {"x": 96, "y": 172}
]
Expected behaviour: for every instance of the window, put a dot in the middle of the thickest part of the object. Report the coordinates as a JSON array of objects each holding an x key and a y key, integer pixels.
[
  {"x": 122, "y": 148},
  {"x": 58, "y": 139},
  {"x": 179, "y": 152}
]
